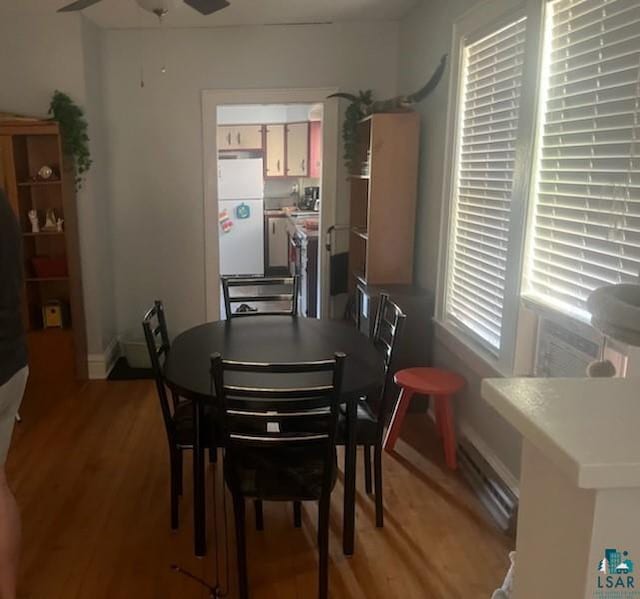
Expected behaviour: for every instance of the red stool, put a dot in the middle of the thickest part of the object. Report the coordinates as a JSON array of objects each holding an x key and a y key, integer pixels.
[{"x": 440, "y": 384}]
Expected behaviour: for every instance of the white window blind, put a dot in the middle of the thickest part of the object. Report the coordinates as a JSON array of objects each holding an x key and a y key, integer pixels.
[
  {"x": 586, "y": 220},
  {"x": 491, "y": 79}
]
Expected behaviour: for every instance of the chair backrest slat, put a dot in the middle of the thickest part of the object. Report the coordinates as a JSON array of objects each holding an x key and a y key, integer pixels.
[
  {"x": 279, "y": 425},
  {"x": 387, "y": 329},
  {"x": 282, "y": 367},
  {"x": 261, "y": 440},
  {"x": 252, "y": 285},
  {"x": 387, "y": 324},
  {"x": 156, "y": 337},
  {"x": 308, "y": 410}
]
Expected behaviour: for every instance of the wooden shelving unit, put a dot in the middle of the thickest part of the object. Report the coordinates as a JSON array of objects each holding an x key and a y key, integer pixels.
[
  {"x": 43, "y": 234},
  {"x": 39, "y": 183},
  {"x": 383, "y": 200},
  {"x": 25, "y": 146}
]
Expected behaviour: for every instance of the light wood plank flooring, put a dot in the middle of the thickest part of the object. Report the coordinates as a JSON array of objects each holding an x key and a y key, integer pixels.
[{"x": 89, "y": 467}]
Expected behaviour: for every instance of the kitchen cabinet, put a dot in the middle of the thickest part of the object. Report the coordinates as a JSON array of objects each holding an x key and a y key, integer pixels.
[
  {"x": 275, "y": 151},
  {"x": 277, "y": 243},
  {"x": 297, "y": 150},
  {"x": 240, "y": 137},
  {"x": 315, "y": 149}
]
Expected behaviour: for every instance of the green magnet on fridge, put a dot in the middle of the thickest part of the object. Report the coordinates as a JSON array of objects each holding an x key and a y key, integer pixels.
[{"x": 243, "y": 211}]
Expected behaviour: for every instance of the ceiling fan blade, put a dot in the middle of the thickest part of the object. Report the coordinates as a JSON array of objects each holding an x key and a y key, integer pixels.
[
  {"x": 207, "y": 7},
  {"x": 78, "y": 5}
]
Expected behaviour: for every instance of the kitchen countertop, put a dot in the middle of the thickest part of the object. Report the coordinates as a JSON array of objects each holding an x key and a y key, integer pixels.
[
  {"x": 297, "y": 219},
  {"x": 587, "y": 427},
  {"x": 298, "y": 223}
]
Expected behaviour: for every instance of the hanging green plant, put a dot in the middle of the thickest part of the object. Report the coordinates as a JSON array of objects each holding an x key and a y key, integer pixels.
[
  {"x": 363, "y": 105},
  {"x": 355, "y": 112},
  {"x": 73, "y": 130}
]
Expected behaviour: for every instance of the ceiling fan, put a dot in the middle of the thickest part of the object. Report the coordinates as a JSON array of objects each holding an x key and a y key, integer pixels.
[{"x": 157, "y": 7}]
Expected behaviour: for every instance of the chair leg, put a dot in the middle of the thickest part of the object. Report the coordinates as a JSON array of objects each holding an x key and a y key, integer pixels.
[
  {"x": 323, "y": 548},
  {"x": 367, "y": 469},
  {"x": 395, "y": 426},
  {"x": 377, "y": 465},
  {"x": 257, "y": 504},
  {"x": 180, "y": 470},
  {"x": 241, "y": 546},
  {"x": 213, "y": 455},
  {"x": 175, "y": 487},
  {"x": 297, "y": 514}
]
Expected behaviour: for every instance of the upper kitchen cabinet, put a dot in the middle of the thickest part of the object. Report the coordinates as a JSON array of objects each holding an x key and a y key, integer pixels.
[
  {"x": 240, "y": 137},
  {"x": 315, "y": 149},
  {"x": 275, "y": 151},
  {"x": 297, "y": 135}
]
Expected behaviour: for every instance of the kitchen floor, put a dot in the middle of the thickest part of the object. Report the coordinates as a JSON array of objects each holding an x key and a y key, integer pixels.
[{"x": 90, "y": 471}]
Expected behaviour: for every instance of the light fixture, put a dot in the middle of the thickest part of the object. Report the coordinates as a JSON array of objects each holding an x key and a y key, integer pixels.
[{"x": 158, "y": 7}]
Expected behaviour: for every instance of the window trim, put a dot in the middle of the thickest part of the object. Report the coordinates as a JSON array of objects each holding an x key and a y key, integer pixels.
[{"x": 481, "y": 20}]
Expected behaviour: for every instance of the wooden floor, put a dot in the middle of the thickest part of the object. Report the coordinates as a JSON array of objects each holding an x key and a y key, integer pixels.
[{"x": 89, "y": 467}]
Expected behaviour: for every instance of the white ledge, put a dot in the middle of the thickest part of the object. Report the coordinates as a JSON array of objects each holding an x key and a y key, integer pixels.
[{"x": 589, "y": 428}]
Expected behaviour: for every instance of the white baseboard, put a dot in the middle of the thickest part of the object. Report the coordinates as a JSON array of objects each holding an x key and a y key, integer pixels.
[{"x": 100, "y": 365}]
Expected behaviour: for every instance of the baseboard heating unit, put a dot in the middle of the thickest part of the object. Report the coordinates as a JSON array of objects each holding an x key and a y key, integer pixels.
[{"x": 495, "y": 495}]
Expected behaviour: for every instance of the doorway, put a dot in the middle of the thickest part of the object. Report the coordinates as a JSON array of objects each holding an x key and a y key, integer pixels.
[{"x": 270, "y": 189}]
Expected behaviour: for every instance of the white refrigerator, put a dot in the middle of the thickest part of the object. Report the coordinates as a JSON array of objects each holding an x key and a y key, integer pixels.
[{"x": 241, "y": 216}]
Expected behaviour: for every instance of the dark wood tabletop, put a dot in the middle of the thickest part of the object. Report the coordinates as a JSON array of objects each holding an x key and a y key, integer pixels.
[{"x": 272, "y": 339}]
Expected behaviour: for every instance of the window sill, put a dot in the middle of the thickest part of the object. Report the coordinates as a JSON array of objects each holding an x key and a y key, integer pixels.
[
  {"x": 481, "y": 361},
  {"x": 542, "y": 308}
]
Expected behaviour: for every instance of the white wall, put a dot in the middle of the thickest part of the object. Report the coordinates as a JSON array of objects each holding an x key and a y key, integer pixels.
[
  {"x": 263, "y": 114},
  {"x": 425, "y": 35},
  {"x": 40, "y": 55},
  {"x": 96, "y": 238},
  {"x": 155, "y": 144}
]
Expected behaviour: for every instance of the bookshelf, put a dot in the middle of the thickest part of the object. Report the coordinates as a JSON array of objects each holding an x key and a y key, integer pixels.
[
  {"x": 25, "y": 146},
  {"x": 383, "y": 200}
]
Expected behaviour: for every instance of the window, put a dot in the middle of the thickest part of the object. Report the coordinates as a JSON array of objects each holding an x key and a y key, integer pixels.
[
  {"x": 488, "y": 119},
  {"x": 542, "y": 179},
  {"x": 585, "y": 226}
]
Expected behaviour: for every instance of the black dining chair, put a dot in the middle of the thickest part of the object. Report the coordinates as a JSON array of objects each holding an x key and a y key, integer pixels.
[
  {"x": 374, "y": 413},
  {"x": 271, "y": 451},
  {"x": 269, "y": 293},
  {"x": 177, "y": 414}
]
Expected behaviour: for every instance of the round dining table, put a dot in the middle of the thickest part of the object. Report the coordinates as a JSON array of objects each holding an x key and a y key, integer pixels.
[{"x": 273, "y": 339}]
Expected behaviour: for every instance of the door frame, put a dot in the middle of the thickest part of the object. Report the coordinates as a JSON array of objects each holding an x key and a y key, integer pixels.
[{"x": 211, "y": 100}]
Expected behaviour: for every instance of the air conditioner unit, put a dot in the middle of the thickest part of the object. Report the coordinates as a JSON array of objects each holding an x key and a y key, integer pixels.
[{"x": 565, "y": 348}]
